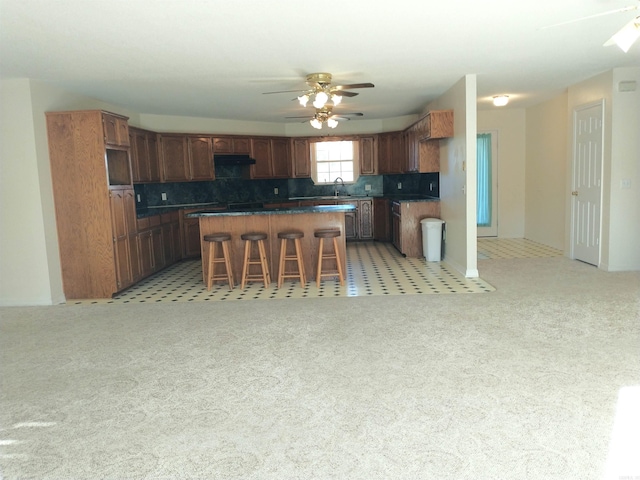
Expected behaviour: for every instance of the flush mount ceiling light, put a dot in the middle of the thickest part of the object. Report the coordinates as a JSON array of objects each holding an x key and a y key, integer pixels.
[{"x": 500, "y": 100}]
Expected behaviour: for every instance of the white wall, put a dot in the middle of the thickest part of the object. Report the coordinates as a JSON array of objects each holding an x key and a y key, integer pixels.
[
  {"x": 546, "y": 174},
  {"x": 458, "y": 176},
  {"x": 510, "y": 126},
  {"x": 621, "y": 159},
  {"x": 624, "y": 212}
]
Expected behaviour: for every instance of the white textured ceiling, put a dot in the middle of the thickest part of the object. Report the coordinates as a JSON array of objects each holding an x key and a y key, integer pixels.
[{"x": 215, "y": 58}]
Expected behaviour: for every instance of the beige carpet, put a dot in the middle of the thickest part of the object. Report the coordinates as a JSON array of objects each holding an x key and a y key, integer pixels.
[{"x": 520, "y": 383}]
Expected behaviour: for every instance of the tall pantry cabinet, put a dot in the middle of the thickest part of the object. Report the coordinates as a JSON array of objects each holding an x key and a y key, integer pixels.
[{"x": 94, "y": 202}]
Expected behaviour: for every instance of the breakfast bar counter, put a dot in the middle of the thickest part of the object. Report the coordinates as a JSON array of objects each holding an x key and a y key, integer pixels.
[{"x": 272, "y": 221}]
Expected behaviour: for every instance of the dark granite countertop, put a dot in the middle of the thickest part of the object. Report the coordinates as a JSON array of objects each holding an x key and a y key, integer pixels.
[
  {"x": 272, "y": 211},
  {"x": 222, "y": 208}
]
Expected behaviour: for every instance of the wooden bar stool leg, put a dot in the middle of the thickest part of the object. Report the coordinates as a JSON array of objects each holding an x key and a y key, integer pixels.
[
  {"x": 263, "y": 261},
  {"x": 212, "y": 264},
  {"x": 303, "y": 276},
  {"x": 281, "y": 263},
  {"x": 338, "y": 261},
  {"x": 319, "y": 267},
  {"x": 227, "y": 263},
  {"x": 245, "y": 263}
]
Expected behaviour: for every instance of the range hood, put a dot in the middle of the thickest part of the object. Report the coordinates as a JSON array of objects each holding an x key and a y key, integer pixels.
[{"x": 227, "y": 159}]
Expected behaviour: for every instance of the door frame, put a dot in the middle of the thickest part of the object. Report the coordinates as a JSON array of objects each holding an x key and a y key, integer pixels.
[{"x": 598, "y": 103}]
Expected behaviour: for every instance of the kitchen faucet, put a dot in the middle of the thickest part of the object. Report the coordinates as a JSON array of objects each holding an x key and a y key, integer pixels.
[{"x": 335, "y": 185}]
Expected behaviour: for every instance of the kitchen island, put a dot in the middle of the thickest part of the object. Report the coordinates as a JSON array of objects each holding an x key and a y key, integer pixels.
[{"x": 271, "y": 221}]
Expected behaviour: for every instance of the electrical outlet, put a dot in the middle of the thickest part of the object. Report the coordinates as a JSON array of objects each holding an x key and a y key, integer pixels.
[
  {"x": 367, "y": 188},
  {"x": 431, "y": 186},
  {"x": 625, "y": 183},
  {"x": 138, "y": 197},
  {"x": 399, "y": 185},
  {"x": 164, "y": 196},
  {"x": 275, "y": 191}
]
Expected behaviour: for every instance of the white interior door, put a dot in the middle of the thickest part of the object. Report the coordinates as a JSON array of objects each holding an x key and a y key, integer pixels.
[
  {"x": 491, "y": 230},
  {"x": 587, "y": 182}
]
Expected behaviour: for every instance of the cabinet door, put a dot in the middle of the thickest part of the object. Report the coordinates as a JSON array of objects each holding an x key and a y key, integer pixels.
[
  {"x": 384, "y": 165},
  {"x": 231, "y": 145},
  {"x": 116, "y": 130},
  {"x": 191, "y": 237},
  {"x": 301, "y": 158},
  {"x": 429, "y": 156},
  {"x": 154, "y": 160},
  {"x": 139, "y": 156},
  {"x": 124, "y": 276},
  {"x": 174, "y": 158},
  {"x": 365, "y": 219},
  {"x": 261, "y": 151},
  {"x": 368, "y": 156},
  {"x": 200, "y": 158},
  {"x": 397, "y": 153},
  {"x": 381, "y": 220},
  {"x": 145, "y": 249},
  {"x": 158, "y": 249},
  {"x": 280, "y": 158},
  {"x": 351, "y": 230}
]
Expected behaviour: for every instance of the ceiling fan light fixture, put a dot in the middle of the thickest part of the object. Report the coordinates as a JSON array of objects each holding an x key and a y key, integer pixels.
[
  {"x": 336, "y": 99},
  {"x": 500, "y": 100},
  {"x": 303, "y": 99},
  {"x": 626, "y": 36},
  {"x": 320, "y": 100},
  {"x": 332, "y": 123},
  {"x": 315, "y": 123}
]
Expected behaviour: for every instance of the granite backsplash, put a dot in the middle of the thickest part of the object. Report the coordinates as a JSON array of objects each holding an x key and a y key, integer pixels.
[{"x": 231, "y": 189}]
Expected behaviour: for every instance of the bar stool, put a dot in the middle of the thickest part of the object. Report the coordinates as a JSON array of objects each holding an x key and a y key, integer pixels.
[
  {"x": 247, "y": 276},
  {"x": 322, "y": 255},
  {"x": 297, "y": 257},
  {"x": 222, "y": 239}
]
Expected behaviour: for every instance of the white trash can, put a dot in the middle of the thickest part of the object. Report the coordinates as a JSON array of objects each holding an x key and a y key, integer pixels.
[{"x": 432, "y": 239}]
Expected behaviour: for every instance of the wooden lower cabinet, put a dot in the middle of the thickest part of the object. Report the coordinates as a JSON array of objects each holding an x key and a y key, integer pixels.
[
  {"x": 158, "y": 242},
  {"x": 381, "y": 220},
  {"x": 365, "y": 219},
  {"x": 407, "y": 230},
  {"x": 190, "y": 235}
]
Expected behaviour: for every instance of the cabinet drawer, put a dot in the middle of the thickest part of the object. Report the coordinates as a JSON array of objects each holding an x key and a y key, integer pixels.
[{"x": 395, "y": 208}]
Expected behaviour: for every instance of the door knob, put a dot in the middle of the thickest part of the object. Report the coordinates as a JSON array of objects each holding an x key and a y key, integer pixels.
[{"x": 574, "y": 193}]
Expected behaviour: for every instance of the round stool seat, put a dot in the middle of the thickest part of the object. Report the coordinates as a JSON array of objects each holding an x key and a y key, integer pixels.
[
  {"x": 253, "y": 236},
  {"x": 217, "y": 237},
  {"x": 290, "y": 235},
  {"x": 326, "y": 233}
]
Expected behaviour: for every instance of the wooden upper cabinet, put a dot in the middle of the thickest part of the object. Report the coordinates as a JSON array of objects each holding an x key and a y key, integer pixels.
[
  {"x": 301, "y": 158},
  {"x": 186, "y": 158},
  {"x": 154, "y": 157},
  {"x": 280, "y": 158},
  {"x": 174, "y": 158},
  {"x": 429, "y": 156},
  {"x": 272, "y": 156},
  {"x": 368, "y": 156},
  {"x": 200, "y": 158},
  {"x": 436, "y": 124},
  {"x": 116, "y": 130},
  {"x": 231, "y": 144},
  {"x": 391, "y": 153}
]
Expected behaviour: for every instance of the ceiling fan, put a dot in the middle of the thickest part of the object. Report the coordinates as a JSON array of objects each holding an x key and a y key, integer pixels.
[
  {"x": 321, "y": 90},
  {"x": 625, "y": 37},
  {"x": 325, "y": 115}
]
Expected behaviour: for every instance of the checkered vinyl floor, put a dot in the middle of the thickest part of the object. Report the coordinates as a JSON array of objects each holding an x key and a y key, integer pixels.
[{"x": 373, "y": 268}]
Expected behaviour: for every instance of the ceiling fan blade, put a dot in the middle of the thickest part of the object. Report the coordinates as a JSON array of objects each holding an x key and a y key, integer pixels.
[
  {"x": 345, "y": 94},
  {"x": 346, "y": 115},
  {"x": 302, "y": 116},
  {"x": 283, "y": 91},
  {"x": 355, "y": 85},
  {"x": 623, "y": 9}
]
